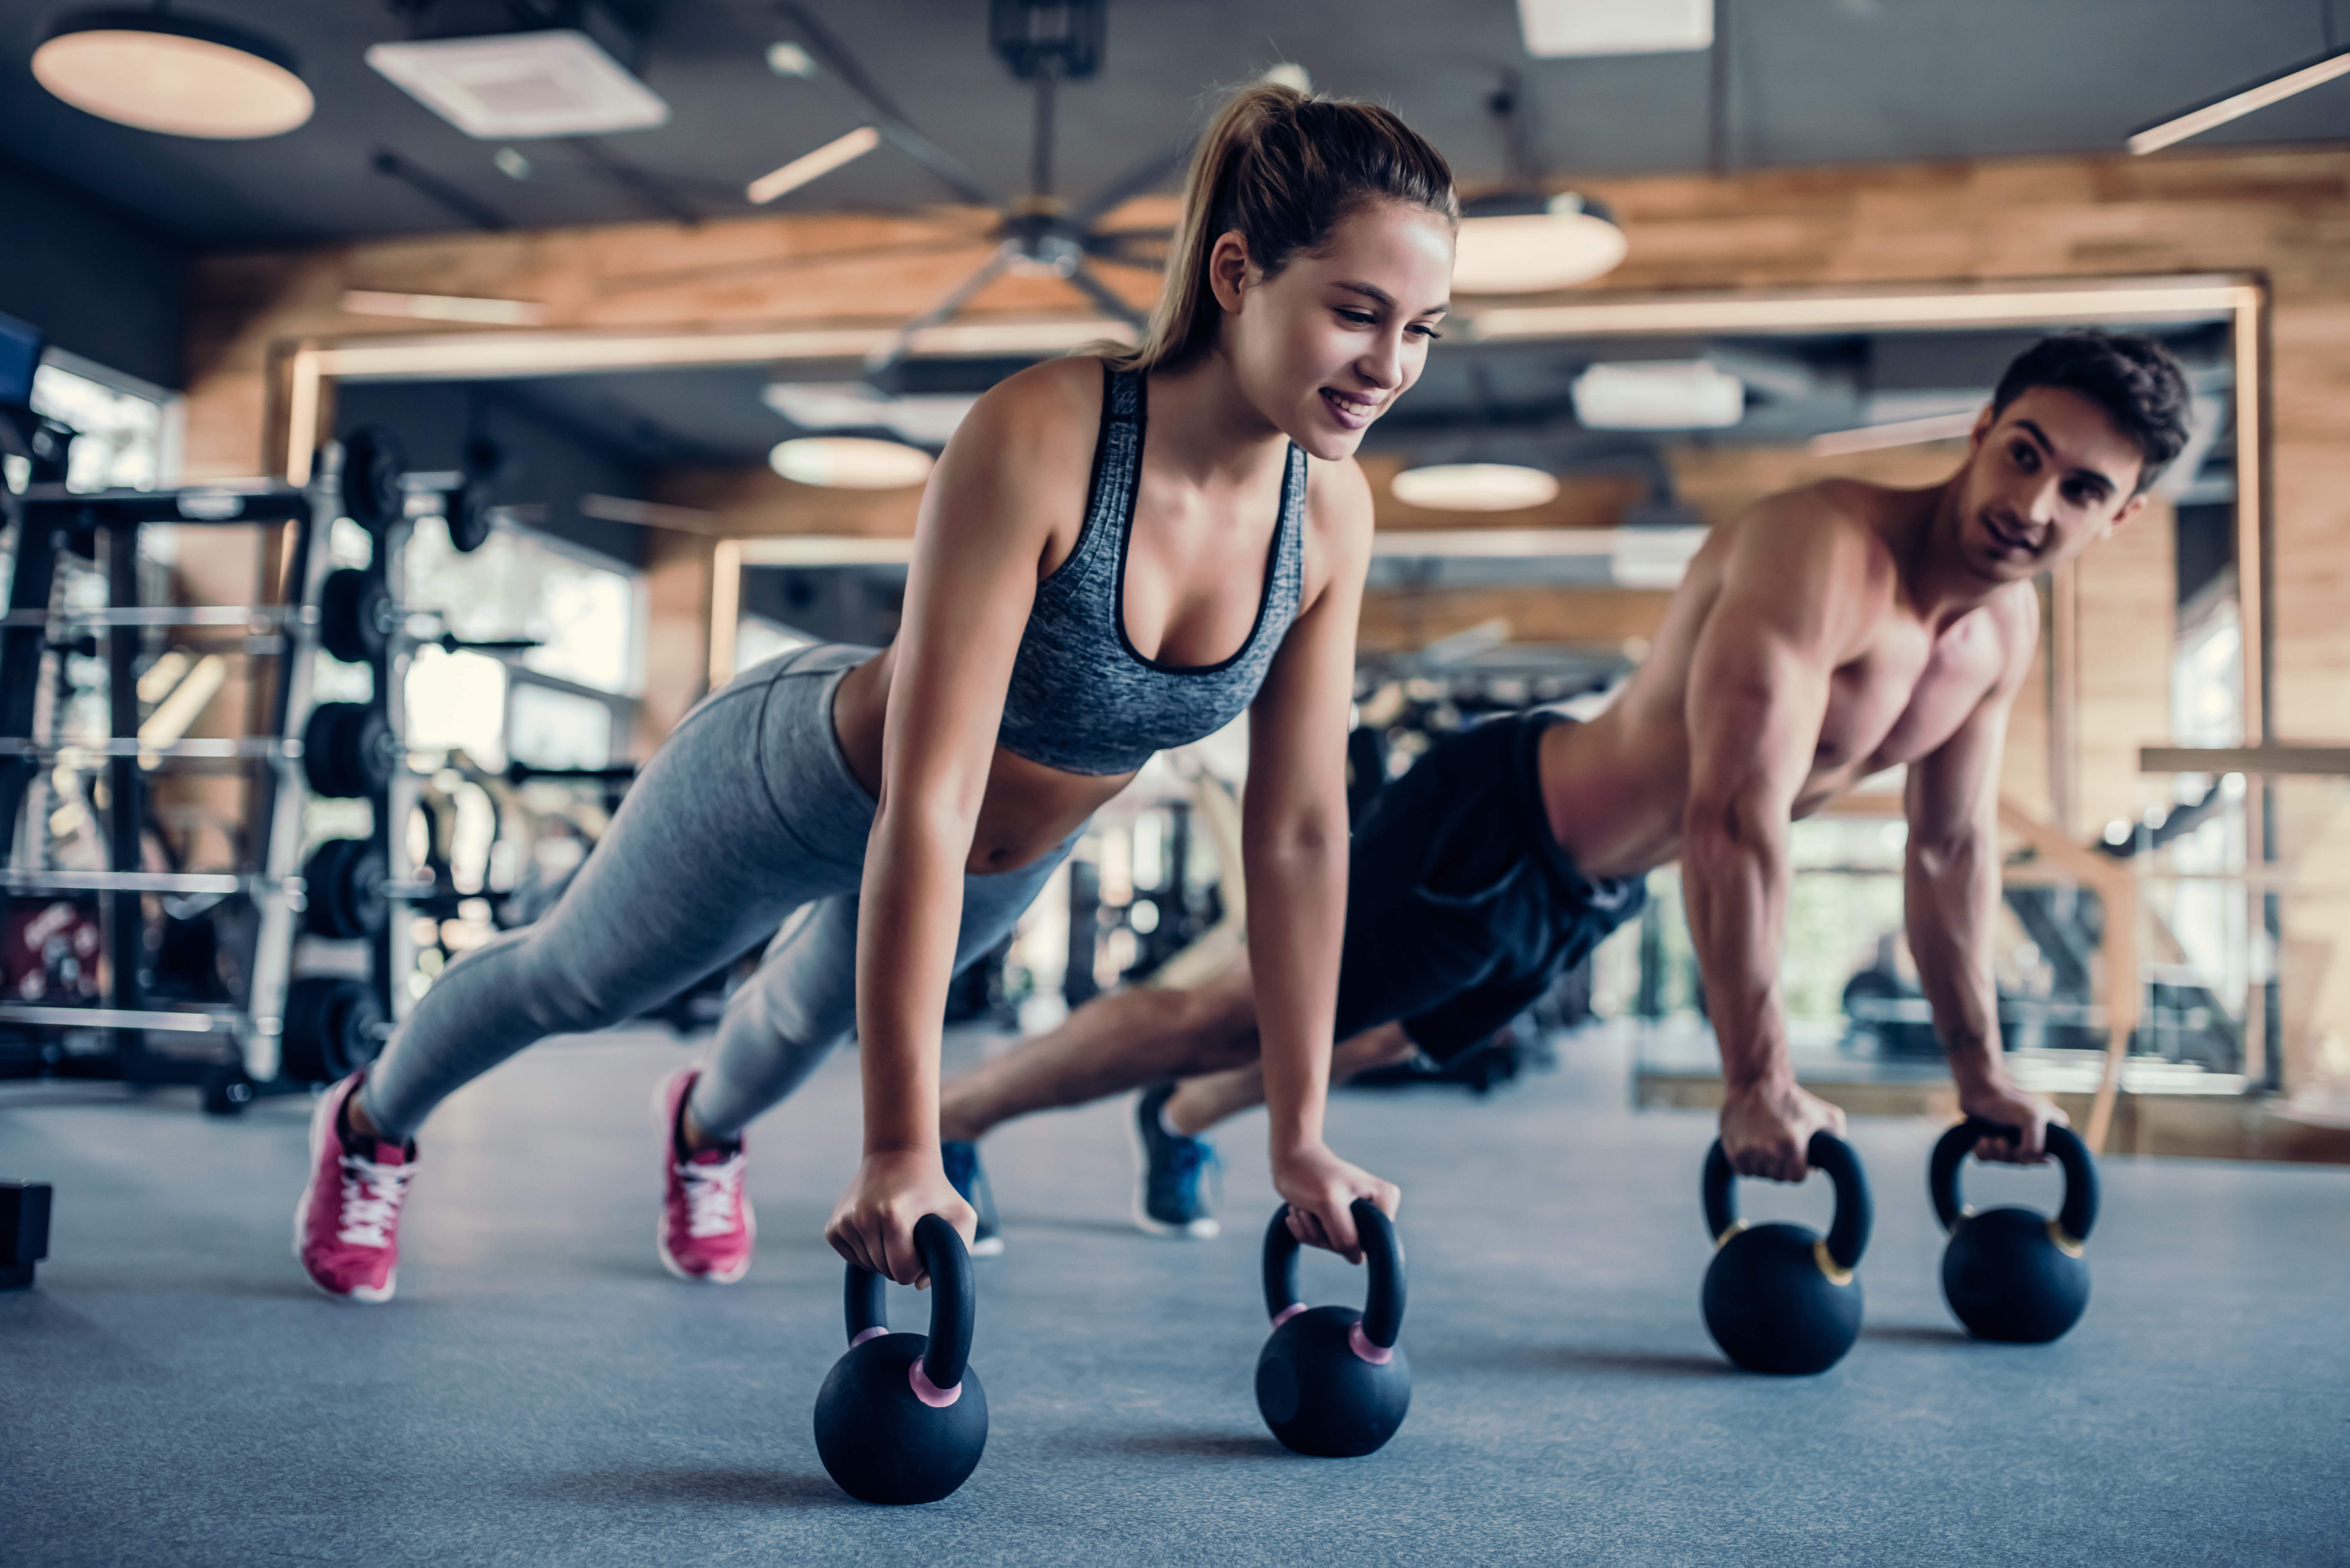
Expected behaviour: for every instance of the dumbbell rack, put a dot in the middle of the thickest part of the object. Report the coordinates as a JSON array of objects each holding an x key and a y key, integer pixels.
[{"x": 52, "y": 518}]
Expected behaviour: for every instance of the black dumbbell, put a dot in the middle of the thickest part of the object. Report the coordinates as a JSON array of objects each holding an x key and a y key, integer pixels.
[
  {"x": 347, "y": 750},
  {"x": 333, "y": 1027},
  {"x": 345, "y": 879},
  {"x": 1332, "y": 1381},
  {"x": 902, "y": 1418},
  {"x": 355, "y": 614},
  {"x": 1783, "y": 1298},
  {"x": 372, "y": 465},
  {"x": 2013, "y": 1273}
]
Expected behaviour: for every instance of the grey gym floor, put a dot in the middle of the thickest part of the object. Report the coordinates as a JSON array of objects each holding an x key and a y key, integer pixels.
[{"x": 541, "y": 1392}]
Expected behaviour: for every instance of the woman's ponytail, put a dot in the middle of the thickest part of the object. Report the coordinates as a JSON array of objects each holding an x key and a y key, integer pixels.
[{"x": 1283, "y": 169}]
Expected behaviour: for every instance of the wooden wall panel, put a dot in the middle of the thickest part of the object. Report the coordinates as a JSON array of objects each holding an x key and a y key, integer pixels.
[
  {"x": 2128, "y": 590},
  {"x": 1396, "y": 621}
]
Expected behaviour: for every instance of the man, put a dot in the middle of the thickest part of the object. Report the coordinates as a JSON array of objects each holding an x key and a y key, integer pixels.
[{"x": 1821, "y": 635}]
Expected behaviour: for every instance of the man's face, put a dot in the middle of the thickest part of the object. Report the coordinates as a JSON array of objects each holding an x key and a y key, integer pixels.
[{"x": 2045, "y": 480}]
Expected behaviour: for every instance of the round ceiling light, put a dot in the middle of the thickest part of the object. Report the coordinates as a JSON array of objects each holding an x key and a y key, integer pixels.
[
  {"x": 175, "y": 74},
  {"x": 1521, "y": 244},
  {"x": 850, "y": 463},
  {"x": 1474, "y": 487}
]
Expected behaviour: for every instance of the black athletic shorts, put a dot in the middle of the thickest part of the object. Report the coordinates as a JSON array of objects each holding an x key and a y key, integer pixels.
[{"x": 1462, "y": 909}]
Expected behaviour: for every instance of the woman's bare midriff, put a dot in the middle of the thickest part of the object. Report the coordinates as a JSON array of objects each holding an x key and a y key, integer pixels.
[{"x": 1028, "y": 807}]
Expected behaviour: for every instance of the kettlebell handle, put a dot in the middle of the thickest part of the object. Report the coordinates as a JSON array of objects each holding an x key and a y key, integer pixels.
[
  {"x": 954, "y": 1305},
  {"x": 1382, "y": 1304},
  {"x": 2078, "y": 1213},
  {"x": 1855, "y": 1211}
]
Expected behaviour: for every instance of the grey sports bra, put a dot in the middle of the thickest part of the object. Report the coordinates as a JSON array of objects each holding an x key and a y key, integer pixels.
[{"x": 1081, "y": 698}]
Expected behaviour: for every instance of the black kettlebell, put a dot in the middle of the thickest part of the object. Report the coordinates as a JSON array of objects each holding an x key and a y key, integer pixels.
[
  {"x": 902, "y": 1418},
  {"x": 2013, "y": 1273},
  {"x": 1332, "y": 1381},
  {"x": 1783, "y": 1298}
]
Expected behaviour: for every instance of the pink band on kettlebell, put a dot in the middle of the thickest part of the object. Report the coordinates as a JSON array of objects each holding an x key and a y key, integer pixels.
[
  {"x": 1285, "y": 1314},
  {"x": 929, "y": 1393},
  {"x": 864, "y": 1334},
  {"x": 1358, "y": 1342}
]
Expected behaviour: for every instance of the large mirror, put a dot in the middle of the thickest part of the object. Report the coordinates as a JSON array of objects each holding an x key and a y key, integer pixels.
[{"x": 1538, "y": 494}]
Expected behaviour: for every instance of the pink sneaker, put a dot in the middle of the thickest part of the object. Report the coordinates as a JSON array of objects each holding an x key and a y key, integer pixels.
[
  {"x": 346, "y": 1226},
  {"x": 706, "y": 1226}
]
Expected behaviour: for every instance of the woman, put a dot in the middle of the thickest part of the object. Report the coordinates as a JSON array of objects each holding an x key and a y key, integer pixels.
[{"x": 1079, "y": 599}]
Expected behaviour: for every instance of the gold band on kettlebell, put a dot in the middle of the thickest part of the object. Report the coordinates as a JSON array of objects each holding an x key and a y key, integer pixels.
[
  {"x": 2071, "y": 1246},
  {"x": 1733, "y": 1229},
  {"x": 1836, "y": 1272}
]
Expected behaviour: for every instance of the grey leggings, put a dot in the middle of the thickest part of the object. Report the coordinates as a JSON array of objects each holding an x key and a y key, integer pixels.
[{"x": 747, "y": 814}]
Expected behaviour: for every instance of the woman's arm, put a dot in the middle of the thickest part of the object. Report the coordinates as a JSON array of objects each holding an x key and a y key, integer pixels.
[
  {"x": 985, "y": 524},
  {"x": 1293, "y": 849}
]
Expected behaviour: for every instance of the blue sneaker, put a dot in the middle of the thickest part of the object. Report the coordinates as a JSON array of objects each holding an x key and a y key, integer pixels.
[
  {"x": 970, "y": 1178},
  {"x": 1169, "y": 1199}
]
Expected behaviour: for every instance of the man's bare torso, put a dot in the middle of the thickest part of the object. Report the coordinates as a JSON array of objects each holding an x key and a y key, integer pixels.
[{"x": 1616, "y": 787}]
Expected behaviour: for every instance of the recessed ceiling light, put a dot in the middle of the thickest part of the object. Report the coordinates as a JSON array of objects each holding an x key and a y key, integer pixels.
[
  {"x": 556, "y": 82},
  {"x": 172, "y": 73},
  {"x": 1474, "y": 487},
  {"x": 790, "y": 60},
  {"x": 1559, "y": 28},
  {"x": 1663, "y": 395},
  {"x": 850, "y": 462},
  {"x": 1519, "y": 243}
]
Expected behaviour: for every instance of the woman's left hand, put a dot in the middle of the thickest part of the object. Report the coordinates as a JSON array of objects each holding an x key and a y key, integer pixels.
[{"x": 1321, "y": 1189}]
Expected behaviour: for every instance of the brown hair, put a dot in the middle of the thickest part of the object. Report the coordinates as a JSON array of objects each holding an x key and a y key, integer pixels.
[{"x": 1283, "y": 169}]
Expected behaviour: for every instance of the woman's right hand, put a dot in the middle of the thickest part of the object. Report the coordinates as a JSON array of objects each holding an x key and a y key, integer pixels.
[{"x": 873, "y": 1225}]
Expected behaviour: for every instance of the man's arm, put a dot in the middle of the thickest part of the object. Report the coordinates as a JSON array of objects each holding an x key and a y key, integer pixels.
[
  {"x": 1950, "y": 880},
  {"x": 1794, "y": 592}
]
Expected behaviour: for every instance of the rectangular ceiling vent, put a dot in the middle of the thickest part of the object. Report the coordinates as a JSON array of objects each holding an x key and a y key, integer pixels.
[
  {"x": 1558, "y": 29},
  {"x": 512, "y": 86}
]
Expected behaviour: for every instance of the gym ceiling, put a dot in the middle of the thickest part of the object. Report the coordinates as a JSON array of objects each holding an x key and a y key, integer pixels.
[{"x": 1796, "y": 82}]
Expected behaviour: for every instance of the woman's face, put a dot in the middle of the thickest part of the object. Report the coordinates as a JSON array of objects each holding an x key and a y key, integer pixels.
[{"x": 1328, "y": 344}]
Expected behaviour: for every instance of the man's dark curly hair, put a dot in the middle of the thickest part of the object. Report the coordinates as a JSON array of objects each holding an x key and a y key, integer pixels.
[{"x": 2129, "y": 375}]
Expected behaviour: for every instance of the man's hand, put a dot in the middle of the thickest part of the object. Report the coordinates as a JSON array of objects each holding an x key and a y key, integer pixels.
[
  {"x": 1998, "y": 1100},
  {"x": 873, "y": 1226},
  {"x": 1766, "y": 1128},
  {"x": 1321, "y": 1189}
]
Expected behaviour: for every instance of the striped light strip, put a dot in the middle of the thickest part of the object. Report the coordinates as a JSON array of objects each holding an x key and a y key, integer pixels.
[
  {"x": 1899, "y": 432},
  {"x": 815, "y": 166},
  {"x": 445, "y": 308},
  {"x": 2237, "y": 104}
]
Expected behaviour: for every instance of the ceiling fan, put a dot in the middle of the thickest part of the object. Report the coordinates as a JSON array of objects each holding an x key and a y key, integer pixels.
[{"x": 1037, "y": 231}]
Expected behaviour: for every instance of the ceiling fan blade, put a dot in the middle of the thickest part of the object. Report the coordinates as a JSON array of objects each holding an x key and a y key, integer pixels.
[
  {"x": 902, "y": 340},
  {"x": 1147, "y": 175},
  {"x": 719, "y": 272},
  {"x": 837, "y": 64},
  {"x": 1110, "y": 300}
]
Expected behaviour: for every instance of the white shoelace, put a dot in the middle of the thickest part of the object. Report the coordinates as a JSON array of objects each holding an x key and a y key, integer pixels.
[
  {"x": 372, "y": 1194},
  {"x": 711, "y": 1194}
]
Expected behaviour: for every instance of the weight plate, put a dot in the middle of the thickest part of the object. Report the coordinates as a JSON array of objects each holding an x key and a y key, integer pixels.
[
  {"x": 469, "y": 516},
  {"x": 372, "y": 465},
  {"x": 302, "y": 1039},
  {"x": 357, "y": 1033},
  {"x": 334, "y": 1026},
  {"x": 352, "y": 610},
  {"x": 347, "y": 750},
  {"x": 345, "y": 876}
]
